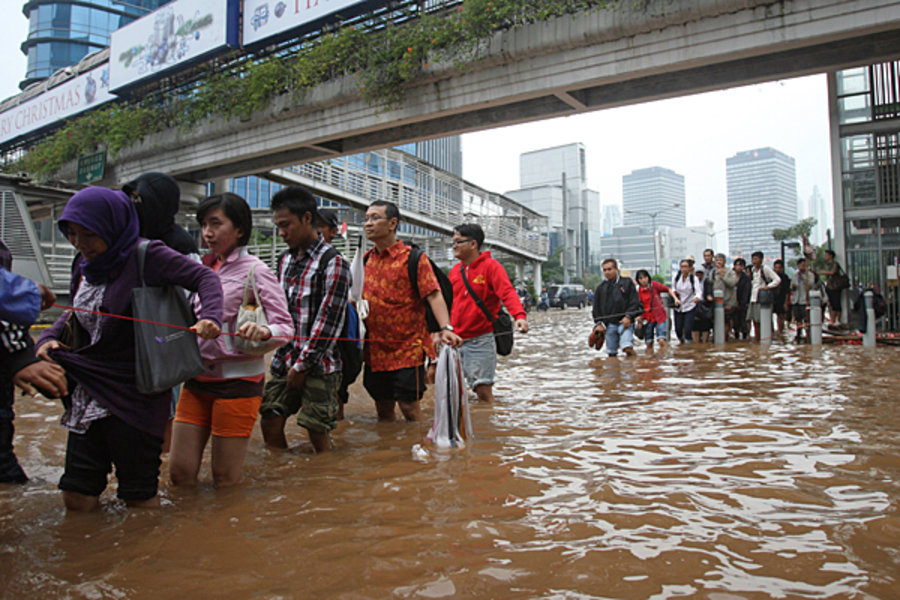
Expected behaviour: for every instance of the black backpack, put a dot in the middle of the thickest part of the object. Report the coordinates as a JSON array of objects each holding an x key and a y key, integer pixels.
[
  {"x": 348, "y": 345},
  {"x": 443, "y": 280}
]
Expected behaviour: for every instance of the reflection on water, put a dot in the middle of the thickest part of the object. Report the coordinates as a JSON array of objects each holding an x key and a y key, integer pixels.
[{"x": 740, "y": 472}]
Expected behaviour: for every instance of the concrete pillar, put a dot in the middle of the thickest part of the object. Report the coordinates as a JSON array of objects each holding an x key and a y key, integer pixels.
[
  {"x": 520, "y": 271},
  {"x": 538, "y": 282},
  {"x": 718, "y": 317},
  {"x": 765, "y": 323},
  {"x": 869, "y": 335},
  {"x": 815, "y": 318},
  {"x": 845, "y": 307}
]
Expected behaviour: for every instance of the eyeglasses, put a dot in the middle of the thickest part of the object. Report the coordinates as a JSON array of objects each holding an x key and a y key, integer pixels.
[
  {"x": 373, "y": 218},
  {"x": 461, "y": 242}
]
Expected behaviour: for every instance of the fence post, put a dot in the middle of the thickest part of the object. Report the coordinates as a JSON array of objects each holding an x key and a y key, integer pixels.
[
  {"x": 815, "y": 318},
  {"x": 718, "y": 317},
  {"x": 869, "y": 335},
  {"x": 765, "y": 323}
]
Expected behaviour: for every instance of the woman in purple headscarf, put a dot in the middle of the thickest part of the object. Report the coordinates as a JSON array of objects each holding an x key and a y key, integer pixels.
[{"x": 110, "y": 422}]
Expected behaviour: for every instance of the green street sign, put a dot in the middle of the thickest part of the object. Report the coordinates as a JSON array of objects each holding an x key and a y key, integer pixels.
[{"x": 90, "y": 167}]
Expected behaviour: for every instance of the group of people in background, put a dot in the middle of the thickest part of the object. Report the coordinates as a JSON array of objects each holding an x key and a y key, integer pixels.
[
  {"x": 87, "y": 357},
  {"x": 623, "y": 307}
]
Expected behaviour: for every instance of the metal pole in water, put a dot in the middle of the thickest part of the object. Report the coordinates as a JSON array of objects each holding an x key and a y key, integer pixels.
[
  {"x": 718, "y": 317},
  {"x": 670, "y": 313},
  {"x": 869, "y": 335},
  {"x": 815, "y": 317},
  {"x": 765, "y": 323}
]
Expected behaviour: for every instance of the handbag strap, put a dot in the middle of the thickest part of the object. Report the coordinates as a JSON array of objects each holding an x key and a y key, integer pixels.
[
  {"x": 462, "y": 271},
  {"x": 141, "y": 256},
  {"x": 251, "y": 284}
]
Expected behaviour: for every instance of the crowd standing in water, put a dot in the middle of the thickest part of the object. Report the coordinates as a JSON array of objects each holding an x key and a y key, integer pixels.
[{"x": 87, "y": 357}]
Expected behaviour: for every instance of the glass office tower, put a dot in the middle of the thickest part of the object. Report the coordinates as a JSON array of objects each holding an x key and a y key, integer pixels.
[{"x": 62, "y": 32}]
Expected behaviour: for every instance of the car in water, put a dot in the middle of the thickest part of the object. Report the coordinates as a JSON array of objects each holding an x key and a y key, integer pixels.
[{"x": 564, "y": 295}]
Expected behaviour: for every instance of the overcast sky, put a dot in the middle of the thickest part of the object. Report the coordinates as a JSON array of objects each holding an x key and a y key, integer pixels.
[{"x": 693, "y": 135}]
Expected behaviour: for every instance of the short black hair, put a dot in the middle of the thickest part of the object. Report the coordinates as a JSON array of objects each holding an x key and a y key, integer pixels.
[
  {"x": 778, "y": 261},
  {"x": 614, "y": 262},
  {"x": 800, "y": 260},
  {"x": 472, "y": 231},
  {"x": 758, "y": 254},
  {"x": 235, "y": 208},
  {"x": 390, "y": 209},
  {"x": 831, "y": 252},
  {"x": 641, "y": 273},
  {"x": 710, "y": 250},
  {"x": 740, "y": 261},
  {"x": 297, "y": 200}
]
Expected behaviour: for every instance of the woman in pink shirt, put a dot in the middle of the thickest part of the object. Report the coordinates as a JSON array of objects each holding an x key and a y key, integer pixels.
[{"x": 223, "y": 402}]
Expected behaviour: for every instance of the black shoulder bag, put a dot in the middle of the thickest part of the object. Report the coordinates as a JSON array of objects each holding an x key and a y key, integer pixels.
[{"x": 502, "y": 324}]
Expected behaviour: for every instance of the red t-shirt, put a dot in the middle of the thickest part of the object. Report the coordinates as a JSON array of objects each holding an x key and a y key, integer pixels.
[
  {"x": 489, "y": 280},
  {"x": 654, "y": 309}
]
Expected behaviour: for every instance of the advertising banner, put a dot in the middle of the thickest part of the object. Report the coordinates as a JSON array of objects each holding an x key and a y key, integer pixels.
[
  {"x": 171, "y": 37},
  {"x": 88, "y": 90},
  {"x": 265, "y": 19}
]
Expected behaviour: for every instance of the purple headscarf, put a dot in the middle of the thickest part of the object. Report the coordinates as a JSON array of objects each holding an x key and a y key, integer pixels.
[{"x": 109, "y": 214}]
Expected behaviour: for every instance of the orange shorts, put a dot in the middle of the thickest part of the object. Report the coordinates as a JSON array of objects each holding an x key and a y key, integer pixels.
[{"x": 225, "y": 417}]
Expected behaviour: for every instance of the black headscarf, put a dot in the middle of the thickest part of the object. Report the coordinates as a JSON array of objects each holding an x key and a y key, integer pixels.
[{"x": 160, "y": 199}]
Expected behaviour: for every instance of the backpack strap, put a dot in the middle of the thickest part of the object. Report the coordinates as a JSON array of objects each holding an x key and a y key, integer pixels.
[{"x": 412, "y": 266}]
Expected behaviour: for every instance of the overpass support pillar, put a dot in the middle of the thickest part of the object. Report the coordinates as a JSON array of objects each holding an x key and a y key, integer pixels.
[
  {"x": 520, "y": 272},
  {"x": 538, "y": 281}
]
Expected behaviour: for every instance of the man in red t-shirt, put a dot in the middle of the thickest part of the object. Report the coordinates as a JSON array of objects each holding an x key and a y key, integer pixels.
[
  {"x": 488, "y": 279},
  {"x": 397, "y": 338}
]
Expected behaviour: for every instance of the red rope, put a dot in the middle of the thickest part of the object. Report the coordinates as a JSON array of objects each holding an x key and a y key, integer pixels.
[{"x": 191, "y": 329}]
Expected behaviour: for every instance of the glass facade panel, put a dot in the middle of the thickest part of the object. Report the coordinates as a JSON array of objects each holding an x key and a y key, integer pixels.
[
  {"x": 890, "y": 232},
  {"x": 862, "y": 233}
]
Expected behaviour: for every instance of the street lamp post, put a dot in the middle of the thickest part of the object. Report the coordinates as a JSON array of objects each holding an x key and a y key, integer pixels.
[
  {"x": 794, "y": 245},
  {"x": 653, "y": 216}
]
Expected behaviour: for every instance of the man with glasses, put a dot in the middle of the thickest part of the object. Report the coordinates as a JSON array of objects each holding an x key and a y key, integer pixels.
[
  {"x": 488, "y": 279},
  {"x": 397, "y": 338}
]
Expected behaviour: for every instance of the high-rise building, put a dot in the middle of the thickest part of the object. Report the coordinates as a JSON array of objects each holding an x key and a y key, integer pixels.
[
  {"x": 574, "y": 210},
  {"x": 762, "y": 196},
  {"x": 443, "y": 153},
  {"x": 817, "y": 208},
  {"x": 653, "y": 198},
  {"x": 865, "y": 116},
  {"x": 62, "y": 32},
  {"x": 612, "y": 218}
]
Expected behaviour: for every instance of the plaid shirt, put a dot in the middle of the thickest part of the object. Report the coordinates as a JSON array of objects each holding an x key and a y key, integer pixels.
[{"x": 318, "y": 304}]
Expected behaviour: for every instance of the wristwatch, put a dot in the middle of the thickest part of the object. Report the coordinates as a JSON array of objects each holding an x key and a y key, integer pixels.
[{"x": 447, "y": 327}]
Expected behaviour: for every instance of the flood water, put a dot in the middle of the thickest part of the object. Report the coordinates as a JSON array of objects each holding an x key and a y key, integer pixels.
[{"x": 740, "y": 472}]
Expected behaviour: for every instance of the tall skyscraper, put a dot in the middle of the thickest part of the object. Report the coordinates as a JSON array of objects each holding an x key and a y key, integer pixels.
[
  {"x": 62, "y": 32},
  {"x": 444, "y": 153},
  {"x": 762, "y": 196},
  {"x": 818, "y": 208},
  {"x": 612, "y": 218},
  {"x": 653, "y": 197},
  {"x": 574, "y": 210}
]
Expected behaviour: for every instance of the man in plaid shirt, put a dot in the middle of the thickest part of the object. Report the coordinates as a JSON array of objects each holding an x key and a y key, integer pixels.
[{"x": 306, "y": 372}]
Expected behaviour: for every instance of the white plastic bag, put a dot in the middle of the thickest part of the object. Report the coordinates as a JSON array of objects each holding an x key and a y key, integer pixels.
[{"x": 452, "y": 426}]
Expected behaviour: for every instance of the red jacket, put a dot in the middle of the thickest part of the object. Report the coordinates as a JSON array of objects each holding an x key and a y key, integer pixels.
[
  {"x": 654, "y": 309},
  {"x": 489, "y": 280}
]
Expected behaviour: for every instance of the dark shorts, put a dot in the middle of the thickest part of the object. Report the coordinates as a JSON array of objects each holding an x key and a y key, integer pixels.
[
  {"x": 316, "y": 402},
  {"x": 111, "y": 442},
  {"x": 800, "y": 313},
  {"x": 402, "y": 385}
]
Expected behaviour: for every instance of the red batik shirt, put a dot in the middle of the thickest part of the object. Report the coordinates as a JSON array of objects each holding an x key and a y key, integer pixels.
[{"x": 396, "y": 334}]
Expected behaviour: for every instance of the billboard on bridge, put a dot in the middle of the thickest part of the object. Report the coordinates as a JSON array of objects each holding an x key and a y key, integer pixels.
[
  {"x": 86, "y": 91},
  {"x": 269, "y": 20},
  {"x": 170, "y": 38}
]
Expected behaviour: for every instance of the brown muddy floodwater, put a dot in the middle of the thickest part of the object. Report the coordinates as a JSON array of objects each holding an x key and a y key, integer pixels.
[{"x": 731, "y": 473}]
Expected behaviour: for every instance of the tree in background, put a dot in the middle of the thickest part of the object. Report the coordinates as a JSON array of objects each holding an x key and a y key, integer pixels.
[{"x": 815, "y": 255}]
